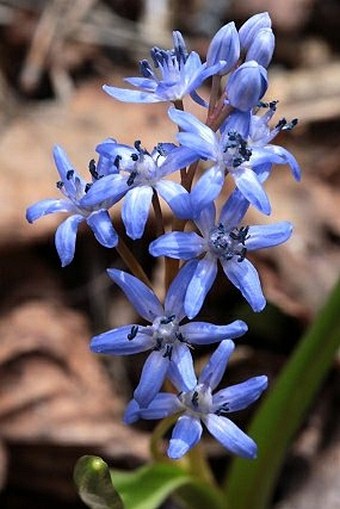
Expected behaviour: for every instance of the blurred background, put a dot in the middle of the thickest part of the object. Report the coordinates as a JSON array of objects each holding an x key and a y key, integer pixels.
[{"x": 59, "y": 401}]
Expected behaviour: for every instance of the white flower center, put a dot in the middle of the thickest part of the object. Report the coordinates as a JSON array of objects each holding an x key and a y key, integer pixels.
[{"x": 198, "y": 401}]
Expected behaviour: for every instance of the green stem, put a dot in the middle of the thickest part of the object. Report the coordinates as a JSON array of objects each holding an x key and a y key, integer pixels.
[
  {"x": 158, "y": 434},
  {"x": 283, "y": 410},
  {"x": 199, "y": 466}
]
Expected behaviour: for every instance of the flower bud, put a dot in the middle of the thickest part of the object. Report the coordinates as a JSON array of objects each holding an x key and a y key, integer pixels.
[
  {"x": 225, "y": 45},
  {"x": 251, "y": 27},
  {"x": 262, "y": 48},
  {"x": 247, "y": 85}
]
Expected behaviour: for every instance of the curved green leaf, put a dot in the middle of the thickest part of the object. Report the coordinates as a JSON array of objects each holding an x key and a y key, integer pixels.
[
  {"x": 250, "y": 484},
  {"x": 149, "y": 486},
  {"x": 92, "y": 477}
]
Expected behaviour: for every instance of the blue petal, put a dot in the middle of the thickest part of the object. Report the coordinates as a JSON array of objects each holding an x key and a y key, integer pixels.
[
  {"x": 111, "y": 149},
  {"x": 64, "y": 166},
  {"x": 178, "y": 158},
  {"x": 203, "y": 74},
  {"x": 230, "y": 436},
  {"x": 101, "y": 225},
  {"x": 207, "y": 188},
  {"x": 161, "y": 406},
  {"x": 240, "y": 396},
  {"x": 186, "y": 434},
  {"x": 105, "y": 192},
  {"x": 174, "y": 300},
  {"x": 249, "y": 185},
  {"x": 198, "y": 99},
  {"x": 179, "y": 245},
  {"x": 203, "y": 333},
  {"x": 237, "y": 121},
  {"x": 147, "y": 84},
  {"x": 116, "y": 341},
  {"x": 141, "y": 296},
  {"x": 244, "y": 276},
  {"x": 268, "y": 235},
  {"x": 181, "y": 370},
  {"x": 198, "y": 145},
  {"x": 206, "y": 140},
  {"x": 132, "y": 412},
  {"x": 131, "y": 96},
  {"x": 277, "y": 155},
  {"x": 213, "y": 371},
  {"x": 135, "y": 210},
  {"x": 283, "y": 156},
  {"x": 176, "y": 197},
  {"x": 200, "y": 284},
  {"x": 206, "y": 219},
  {"x": 49, "y": 206},
  {"x": 234, "y": 209},
  {"x": 65, "y": 238},
  {"x": 152, "y": 378}
]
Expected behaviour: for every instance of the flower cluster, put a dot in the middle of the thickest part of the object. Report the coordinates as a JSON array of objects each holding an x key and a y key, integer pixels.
[{"x": 235, "y": 143}]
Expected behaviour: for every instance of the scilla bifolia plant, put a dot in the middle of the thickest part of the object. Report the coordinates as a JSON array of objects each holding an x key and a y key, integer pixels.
[{"x": 236, "y": 144}]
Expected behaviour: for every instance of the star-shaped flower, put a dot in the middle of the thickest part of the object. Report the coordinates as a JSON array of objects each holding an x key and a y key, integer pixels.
[
  {"x": 226, "y": 241},
  {"x": 74, "y": 189},
  {"x": 137, "y": 174},
  {"x": 198, "y": 404},
  {"x": 169, "y": 341},
  {"x": 175, "y": 73},
  {"x": 241, "y": 147}
]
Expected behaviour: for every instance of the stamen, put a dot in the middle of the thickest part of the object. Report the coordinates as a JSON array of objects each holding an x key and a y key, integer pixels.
[
  {"x": 167, "y": 320},
  {"x": 168, "y": 352},
  {"x": 59, "y": 184},
  {"x": 194, "y": 399},
  {"x": 290, "y": 125},
  {"x": 237, "y": 148},
  {"x": 133, "y": 332},
  {"x": 132, "y": 177},
  {"x": 87, "y": 187},
  {"x": 227, "y": 244},
  {"x": 93, "y": 169},
  {"x": 69, "y": 174},
  {"x": 117, "y": 160},
  {"x": 145, "y": 69},
  {"x": 159, "y": 344},
  {"x": 224, "y": 409}
]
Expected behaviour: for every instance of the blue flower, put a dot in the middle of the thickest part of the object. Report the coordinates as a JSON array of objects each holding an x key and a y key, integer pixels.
[
  {"x": 225, "y": 241},
  {"x": 262, "y": 48},
  {"x": 74, "y": 188},
  {"x": 174, "y": 74},
  {"x": 225, "y": 45},
  {"x": 169, "y": 342},
  {"x": 250, "y": 29},
  {"x": 229, "y": 152},
  {"x": 241, "y": 149},
  {"x": 198, "y": 404},
  {"x": 258, "y": 134},
  {"x": 137, "y": 174},
  {"x": 246, "y": 85}
]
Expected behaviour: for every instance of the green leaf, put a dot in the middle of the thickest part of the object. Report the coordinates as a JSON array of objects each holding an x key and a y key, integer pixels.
[
  {"x": 250, "y": 484},
  {"x": 149, "y": 486},
  {"x": 92, "y": 477}
]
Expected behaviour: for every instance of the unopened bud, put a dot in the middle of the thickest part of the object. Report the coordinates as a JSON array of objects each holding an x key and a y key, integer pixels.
[
  {"x": 262, "y": 48},
  {"x": 225, "y": 45},
  {"x": 251, "y": 27},
  {"x": 247, "y": 85}
]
